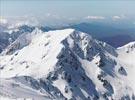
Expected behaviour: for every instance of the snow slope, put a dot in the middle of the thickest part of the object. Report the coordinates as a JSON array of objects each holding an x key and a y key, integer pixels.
[
  {"x": 127, "y": 59},
  {"x": 64, "y": 64}
]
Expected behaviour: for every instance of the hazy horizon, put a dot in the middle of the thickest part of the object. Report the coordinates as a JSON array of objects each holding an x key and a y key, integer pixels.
[{"x": 62, "y": 11}]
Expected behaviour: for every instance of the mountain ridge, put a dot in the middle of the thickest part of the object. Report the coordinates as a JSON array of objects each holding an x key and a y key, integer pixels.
[{"x": 66, "y": 64}]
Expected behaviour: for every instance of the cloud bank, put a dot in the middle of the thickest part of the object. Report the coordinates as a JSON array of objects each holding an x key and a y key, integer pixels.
[{"x": 95, "y": 17}]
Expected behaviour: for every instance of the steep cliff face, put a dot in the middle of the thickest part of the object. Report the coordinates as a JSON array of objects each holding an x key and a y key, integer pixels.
[{"x": 64, "y": 64}]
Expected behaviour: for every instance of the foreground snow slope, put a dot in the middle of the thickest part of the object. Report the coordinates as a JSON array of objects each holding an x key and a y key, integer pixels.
[{"x": 64, "y": 64}]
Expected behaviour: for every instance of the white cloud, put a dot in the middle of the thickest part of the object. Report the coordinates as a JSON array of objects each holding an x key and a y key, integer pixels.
[
  {"x": 3, "y": 21},
  {"x": 118, "y": 17},
  {"x": 55, "y": 16},
  {"x": 16, "y": 21},
  {"x": 72, "y": 18},
  {"x": 95, "y": 17}
]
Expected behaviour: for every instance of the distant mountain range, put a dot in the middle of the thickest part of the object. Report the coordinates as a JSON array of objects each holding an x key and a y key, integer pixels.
[{"x": 107, "y": 33}]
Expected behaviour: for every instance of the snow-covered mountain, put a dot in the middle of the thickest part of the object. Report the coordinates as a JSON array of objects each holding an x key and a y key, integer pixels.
[
  {"x": 7, "y": 36},
  {"x": 66, "y": 64}
]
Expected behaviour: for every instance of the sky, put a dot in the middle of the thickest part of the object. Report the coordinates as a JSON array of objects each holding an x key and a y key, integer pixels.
[{"x": 69, "y": 10}]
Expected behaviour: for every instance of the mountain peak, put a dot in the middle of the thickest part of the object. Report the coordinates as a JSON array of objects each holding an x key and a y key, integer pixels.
[
  {"x": 64, "y": 64},
  {"x": 42, "y": 49}
]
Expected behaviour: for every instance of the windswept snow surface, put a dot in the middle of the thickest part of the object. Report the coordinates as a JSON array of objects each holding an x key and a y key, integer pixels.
[{"x": 66, "y": 64}]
